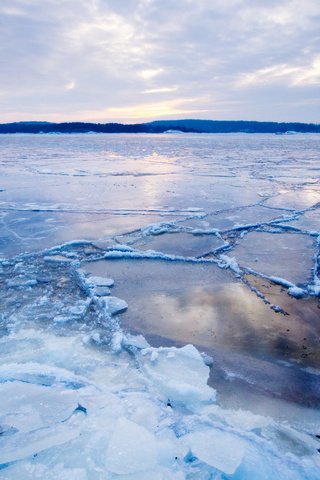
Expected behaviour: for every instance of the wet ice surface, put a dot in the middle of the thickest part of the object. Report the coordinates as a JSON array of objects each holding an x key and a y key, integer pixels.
[
  {"x": 205, "y": 239},
  {"x": 257, "y": 248}
]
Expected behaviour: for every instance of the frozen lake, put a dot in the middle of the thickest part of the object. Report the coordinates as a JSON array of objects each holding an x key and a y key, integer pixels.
[{"x": 112, "y": 241}]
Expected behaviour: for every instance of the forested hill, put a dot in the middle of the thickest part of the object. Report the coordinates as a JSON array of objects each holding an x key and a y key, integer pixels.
[
  {"x": 233, "y": 126},
  {"x": 160, "y": 126}
]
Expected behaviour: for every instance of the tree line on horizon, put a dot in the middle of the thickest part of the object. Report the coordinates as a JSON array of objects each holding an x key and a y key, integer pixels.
[{"x": 161, "y": 126}]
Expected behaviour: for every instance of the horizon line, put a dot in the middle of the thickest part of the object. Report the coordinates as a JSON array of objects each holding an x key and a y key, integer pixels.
[{"x": 160, "y": 120}]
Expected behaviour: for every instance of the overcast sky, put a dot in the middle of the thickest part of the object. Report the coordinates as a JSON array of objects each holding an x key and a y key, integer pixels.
[{"x": 137, "y": 60}]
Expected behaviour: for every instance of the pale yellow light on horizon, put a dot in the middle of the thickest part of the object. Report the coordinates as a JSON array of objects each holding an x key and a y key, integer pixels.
[
  {"x": 153, "y": 110},
  {"x": 139, "y": 113}
]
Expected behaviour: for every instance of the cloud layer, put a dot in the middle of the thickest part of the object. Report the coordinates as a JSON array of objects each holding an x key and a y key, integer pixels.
[{"x": 136, "y": 60}]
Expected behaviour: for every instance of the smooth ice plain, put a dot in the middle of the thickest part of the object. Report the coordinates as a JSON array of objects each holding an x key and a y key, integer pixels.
[{"x": 162, "y": 288}]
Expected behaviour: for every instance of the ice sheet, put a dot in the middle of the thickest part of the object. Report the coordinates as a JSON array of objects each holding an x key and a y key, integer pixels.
[
  {"x": 169, "y": 218},
  {"x": 291, "y": 255}
]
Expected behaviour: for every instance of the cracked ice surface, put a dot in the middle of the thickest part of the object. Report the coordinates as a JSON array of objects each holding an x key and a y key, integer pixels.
[
  {"x": 192, "y": 239},
  {"x": 138, "y": 413}
]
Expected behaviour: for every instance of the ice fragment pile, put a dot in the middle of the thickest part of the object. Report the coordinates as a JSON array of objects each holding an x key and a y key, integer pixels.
[{"x": 105, "y": 417}]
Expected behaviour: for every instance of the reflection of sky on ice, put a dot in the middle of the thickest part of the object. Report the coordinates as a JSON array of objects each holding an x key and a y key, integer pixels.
[
  {"x": 257, "y": 248},
  {"x": 309, "y": 221},
  {"x": 205, "y": 236},
  {"x": 204, "y": 305}
]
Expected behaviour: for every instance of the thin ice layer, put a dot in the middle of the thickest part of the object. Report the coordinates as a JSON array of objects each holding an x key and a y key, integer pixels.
[{"x": 291, "y": 255}]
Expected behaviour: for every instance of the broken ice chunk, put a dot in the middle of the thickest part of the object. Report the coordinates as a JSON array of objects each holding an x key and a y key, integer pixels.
[
  {"x": 136, "y": 341},
  {"x": 78, "y": 309},
  {"x": 229, "y": 262},
  {"x": 100, "y": 281},
  {"x": 44, "y": 278},
  {"x": 178, "y": 373},
  {"x": 220, "y": 450},
  {"x": 170, "y": 449},
  {"x": 296, "y": 292},
  {"x": 41, "y": 374},
  {"x": 22, "y": 445},
  {"x": 132, "y": 448},
  {"x": 116, "y": 342},
  {"x": 63, "y": 318},
  {"x": 129, "y": 342},
  {"x": 21, "y": 281},
  {"x": 114, "y": 305},
  {"x": 57, "y": 259},
  {"x": 27, "y": 407},
  {"x": 101, "y": 291}
]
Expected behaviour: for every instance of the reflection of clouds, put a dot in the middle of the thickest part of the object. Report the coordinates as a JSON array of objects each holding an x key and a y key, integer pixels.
[
  {"x": 310, "y": 220},
  {"x": 231, "y": 313},
  {"x": 153, "y": 187},
  {"x": 201, "y": 315},
  {"x": 206, "y": 306},
  {"x": 183, "y": 244},
  {"x": 303, "y": 198},
  {"x": 230, "y": 316}
]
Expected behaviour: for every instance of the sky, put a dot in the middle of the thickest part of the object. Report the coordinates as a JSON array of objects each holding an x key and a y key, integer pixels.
[{"x": 132, "y": 61}]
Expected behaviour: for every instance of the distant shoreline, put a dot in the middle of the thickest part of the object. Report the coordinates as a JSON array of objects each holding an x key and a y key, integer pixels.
[
  {"x": 161, "y": 126},
  {"x": 276, "y": 134}
]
